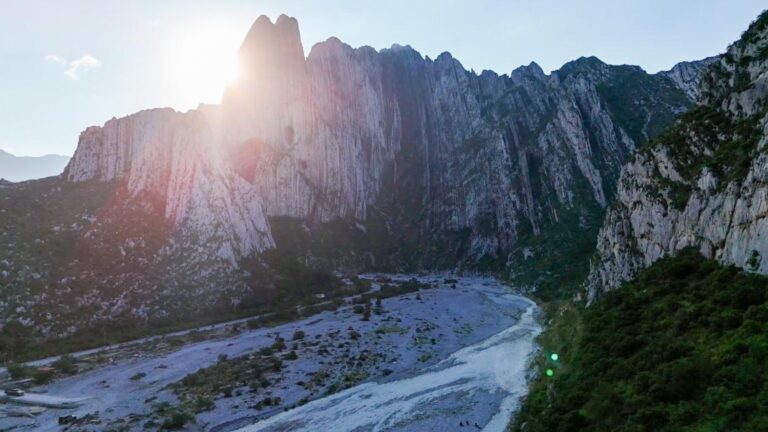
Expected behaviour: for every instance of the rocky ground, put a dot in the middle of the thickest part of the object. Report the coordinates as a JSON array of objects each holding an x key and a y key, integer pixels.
[{"x": 453, "y": 356}]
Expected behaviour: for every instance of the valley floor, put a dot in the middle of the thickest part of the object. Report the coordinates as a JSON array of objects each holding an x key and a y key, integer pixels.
[{"x": 454, "y": 357}]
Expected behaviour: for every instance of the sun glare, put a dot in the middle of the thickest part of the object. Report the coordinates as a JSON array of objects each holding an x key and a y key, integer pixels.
[{"x": 203, "y": 61}]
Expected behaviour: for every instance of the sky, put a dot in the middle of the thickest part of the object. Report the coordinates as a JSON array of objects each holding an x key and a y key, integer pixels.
[{"x": 69, "y": 64}]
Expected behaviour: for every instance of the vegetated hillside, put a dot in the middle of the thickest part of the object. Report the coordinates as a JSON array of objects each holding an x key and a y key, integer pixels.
[
  {"x": 702, "y": 183},
  {"x": 681, "y": 348}
]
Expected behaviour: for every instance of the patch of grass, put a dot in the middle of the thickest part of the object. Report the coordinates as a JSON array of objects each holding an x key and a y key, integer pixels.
[
  {"x": 386, "y": 329},
  {"x": 225, "y": 376}
]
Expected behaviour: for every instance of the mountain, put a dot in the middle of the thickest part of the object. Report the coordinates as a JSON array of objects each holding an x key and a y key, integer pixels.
[
  {"x": 345, "y": 158},
  {"x": 701, "y": 184},
  {"x": 22, "y": 168}
]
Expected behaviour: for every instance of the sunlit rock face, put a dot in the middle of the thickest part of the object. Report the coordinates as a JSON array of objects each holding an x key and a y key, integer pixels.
[
  {"x": 482, "y": 170},
  {"x": 171, "y": 158},
  {"x": 702, "y": 186},
  {"x": 425, "y": 144}
]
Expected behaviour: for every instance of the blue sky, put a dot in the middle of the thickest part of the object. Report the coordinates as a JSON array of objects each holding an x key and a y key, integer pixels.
[{"x": 69, "y": 64}]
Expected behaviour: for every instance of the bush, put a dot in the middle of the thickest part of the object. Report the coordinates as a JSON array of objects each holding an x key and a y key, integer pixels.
[
  {"x": 298, "y": 335},
  {"x": 66, "y": 364},
  {"x": 138, "y": 376},
  {"x": 253, "y": 323},
  {"x": 279, "y": 344},
  {"x": 20, "y": 371},
  {"x": 202, "y": 404},
  {"x": 176, "y": 418},
  {"x": 682, "y": 347},
  {"x": 42, "y": 376}
]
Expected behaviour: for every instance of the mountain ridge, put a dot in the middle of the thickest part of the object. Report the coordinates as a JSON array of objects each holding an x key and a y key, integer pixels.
[
  {"x": 358, "y": 158},
  {"x": 22, "y": 168},
  {"x": 701, "y": 184}
]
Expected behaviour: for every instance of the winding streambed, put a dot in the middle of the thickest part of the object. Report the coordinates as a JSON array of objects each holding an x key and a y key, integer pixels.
[
  {"x": 492, "y": 372},
  {"x": 451, "y": 358}
]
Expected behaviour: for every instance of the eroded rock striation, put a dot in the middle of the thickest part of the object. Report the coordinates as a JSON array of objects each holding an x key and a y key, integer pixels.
[
  {"x": 703, "y": 183},
  {"x": 388, "y": 158}
]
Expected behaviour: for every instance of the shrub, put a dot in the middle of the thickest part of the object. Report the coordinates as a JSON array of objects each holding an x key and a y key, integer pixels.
[
  {"x": 176, "y": 418},
  {"x": 138, "y": 376},
  {"x": 279, "y": 344},
  {"x": 42, "y": 376},
  {"x": 202, "y": 404},
  {"x": 20, "y": 371},
  {"x": 66, "y": 364}
]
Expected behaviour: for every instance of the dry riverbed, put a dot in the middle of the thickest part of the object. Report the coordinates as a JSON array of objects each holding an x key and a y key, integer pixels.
[{"x": 451, "y": 357}]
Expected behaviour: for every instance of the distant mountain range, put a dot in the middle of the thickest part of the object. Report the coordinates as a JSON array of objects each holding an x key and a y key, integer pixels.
[{"x": 21, "y": 168}]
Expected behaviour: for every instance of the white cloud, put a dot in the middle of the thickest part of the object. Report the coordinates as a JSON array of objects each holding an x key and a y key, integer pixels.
[
  {"x": 75, "y": 67},
  {"x": 53, "y": 58},
  {"x": 82, "y": 64}
]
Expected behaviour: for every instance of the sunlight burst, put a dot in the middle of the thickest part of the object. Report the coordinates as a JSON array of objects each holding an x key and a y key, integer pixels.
[{"x": 203, "y": 62}]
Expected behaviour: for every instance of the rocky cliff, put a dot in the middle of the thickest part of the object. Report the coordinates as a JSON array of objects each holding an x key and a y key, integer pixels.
[
  {"x": 477, "y": 167},
  {"x": 164, "y": 157},
  {"x": 702, "y": 183},
  {"x": 382, "y": 159}
]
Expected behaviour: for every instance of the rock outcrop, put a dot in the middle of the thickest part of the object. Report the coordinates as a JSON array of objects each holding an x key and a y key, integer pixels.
[
  {"x": 687, "y": 75},
  {"x": 172, "y": 158},
  {"x": 703, "y": 184},
  {"x": 429, "y": 164},
  {"x": 430, "y": 148},
  {"x": 491, "y": 162}
]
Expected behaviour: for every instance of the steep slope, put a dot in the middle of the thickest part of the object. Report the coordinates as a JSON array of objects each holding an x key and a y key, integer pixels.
[
  {"x": 702, "y": 183},
  {"x": 146, "y": 222},
  {"x": 680, "y": 348},
  {"x": 480, "y": 169},
  {"x": 687, "y": 75},
  {"x": 354, "y": 157},
  {"x": 170, "y": 158},
  {"x": 16, "y": 169}
]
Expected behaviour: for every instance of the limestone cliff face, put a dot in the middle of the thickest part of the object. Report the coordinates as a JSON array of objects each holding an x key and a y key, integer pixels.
[
  {"x": 171, "y": 158},
  {"x": 687, "y": 75},
  {"x": 429, "y": 146},
  {"x": 492, "y": 171},
  {"x": 703, "y": 184}
]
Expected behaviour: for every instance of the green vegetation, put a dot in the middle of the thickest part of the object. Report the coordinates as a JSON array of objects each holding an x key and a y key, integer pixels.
[
  {"x": 708, "y": 138},
  {"x": 752, "y": 34},
  {"x": 641, "y": 103},
  {"x": 384, "y": 329},
  {"x": 219, "y": 380},
  {"x": 172, "y": 417},
  {"x": 282, "y": 290},
  {"x": 682, "y": 348},
  {"x": 66, "y": 364},
  {"x": 138, "y": 376}
]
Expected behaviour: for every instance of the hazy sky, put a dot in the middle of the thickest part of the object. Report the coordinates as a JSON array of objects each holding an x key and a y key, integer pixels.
[{"x": 69, "y": 64}]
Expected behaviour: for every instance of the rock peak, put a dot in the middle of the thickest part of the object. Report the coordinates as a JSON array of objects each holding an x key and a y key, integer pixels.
[
  {"x": 269, "y": 50},
  {"x": 532, "y": 70}
]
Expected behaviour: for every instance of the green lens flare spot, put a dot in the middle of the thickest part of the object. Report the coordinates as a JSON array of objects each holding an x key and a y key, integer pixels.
[
  {"x": 554, "y": 357},
  {"x": 550, "y": 372}
]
